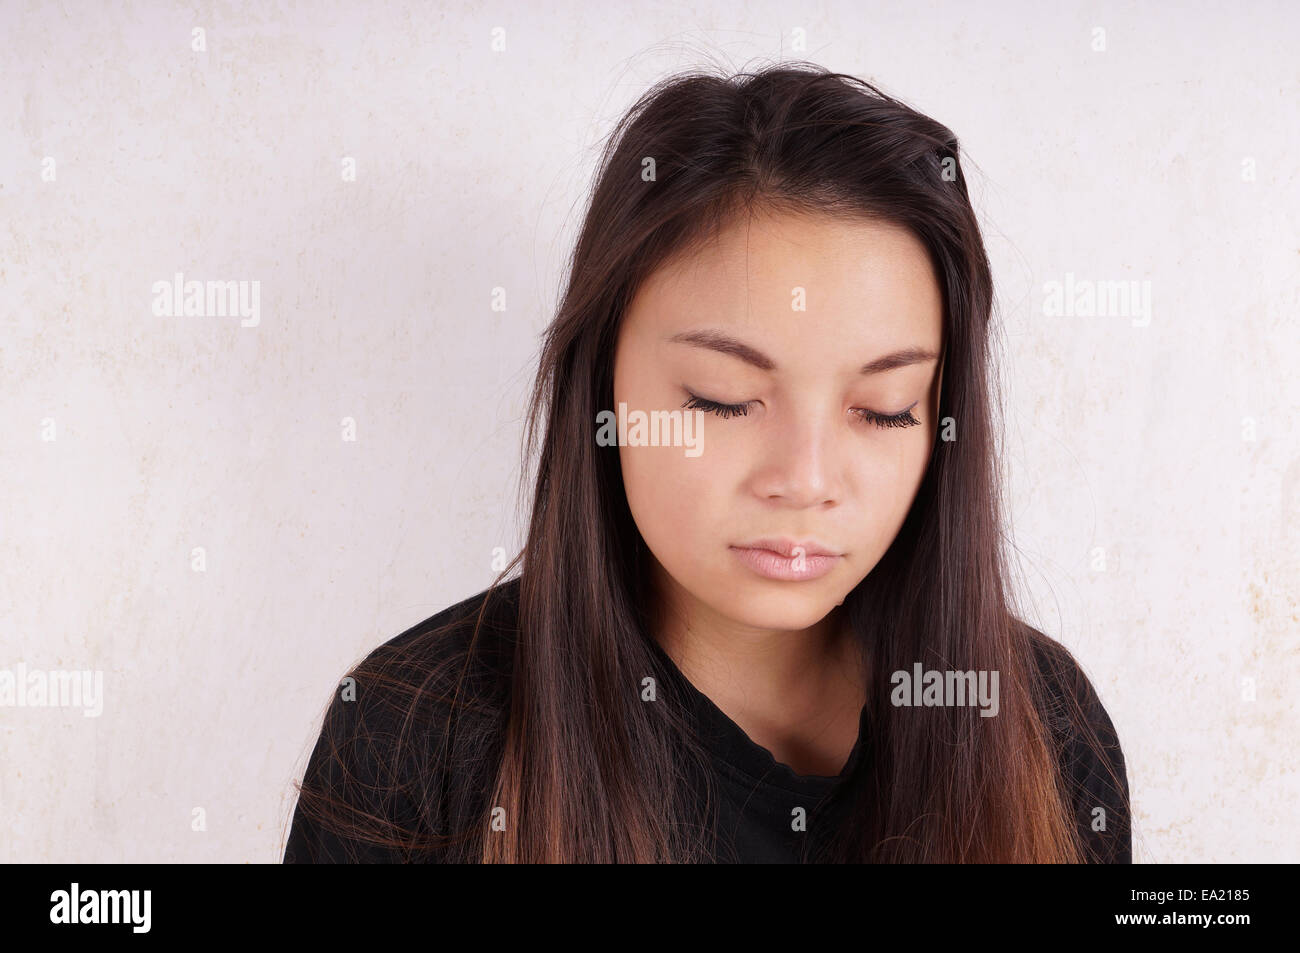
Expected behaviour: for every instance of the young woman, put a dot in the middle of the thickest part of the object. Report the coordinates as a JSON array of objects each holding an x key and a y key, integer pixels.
[{"x": 783, "y": 631}]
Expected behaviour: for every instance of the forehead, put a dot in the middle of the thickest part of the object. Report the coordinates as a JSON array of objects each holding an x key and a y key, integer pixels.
[{"x": 794, "y": 273}]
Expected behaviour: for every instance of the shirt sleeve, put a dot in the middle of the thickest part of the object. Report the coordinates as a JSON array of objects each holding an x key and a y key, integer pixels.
[
  {"x": 359, "y": 799},
  {"x": 1100, "y": 781},
  {"x": 1092, "y": 761}
]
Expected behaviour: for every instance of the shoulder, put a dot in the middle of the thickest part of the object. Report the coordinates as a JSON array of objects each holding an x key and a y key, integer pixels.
[
  {"x": 1090, "y": 756},
  {"x": 454, "y": 662},
  {"x": 408, "y": 735},
  {"x": 472, "y": 639},
  {"x": 1066, "y": 693}
]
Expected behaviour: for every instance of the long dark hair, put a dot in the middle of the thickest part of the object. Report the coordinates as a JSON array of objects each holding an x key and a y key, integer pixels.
[{"x": 583, "y": 767}]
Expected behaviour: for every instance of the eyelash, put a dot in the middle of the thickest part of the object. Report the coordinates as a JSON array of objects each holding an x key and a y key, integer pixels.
[{"x": 883, "y": 421}]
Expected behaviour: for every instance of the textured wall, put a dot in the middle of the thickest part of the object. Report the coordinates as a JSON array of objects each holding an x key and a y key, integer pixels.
[{"x": 183, "y": 513}]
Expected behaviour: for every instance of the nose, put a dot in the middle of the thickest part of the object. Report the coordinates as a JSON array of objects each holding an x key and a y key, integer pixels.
[{"x": 800, "y": 465}]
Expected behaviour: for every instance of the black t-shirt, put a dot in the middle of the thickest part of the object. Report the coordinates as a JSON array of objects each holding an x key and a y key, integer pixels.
[{"x": 757, "y": 796}]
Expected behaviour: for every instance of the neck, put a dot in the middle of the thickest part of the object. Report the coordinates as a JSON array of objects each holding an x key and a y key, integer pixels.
[{"x": 771, "y": 680}]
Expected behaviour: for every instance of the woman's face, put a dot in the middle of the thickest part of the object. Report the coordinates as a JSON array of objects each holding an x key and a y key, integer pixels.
[{"x": 782, "y": 314}]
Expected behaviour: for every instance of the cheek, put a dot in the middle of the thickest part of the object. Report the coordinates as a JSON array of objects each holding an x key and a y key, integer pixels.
[
  {"x": 889, "y": 486},
  {"x": 674, "y": 499}
]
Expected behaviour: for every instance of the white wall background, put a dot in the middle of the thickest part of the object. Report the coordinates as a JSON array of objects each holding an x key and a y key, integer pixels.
[{"x": 1153, "y": 472}]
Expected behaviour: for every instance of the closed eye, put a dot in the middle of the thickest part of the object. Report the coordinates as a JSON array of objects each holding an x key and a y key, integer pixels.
[
  {"x": 713, "y": 407},
  {"x": 884, "y": 421},
  {"x": 887, "y": 421}
]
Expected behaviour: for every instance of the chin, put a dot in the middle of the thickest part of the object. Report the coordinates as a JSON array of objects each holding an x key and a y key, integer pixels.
[{"x": 781, "y": 606}]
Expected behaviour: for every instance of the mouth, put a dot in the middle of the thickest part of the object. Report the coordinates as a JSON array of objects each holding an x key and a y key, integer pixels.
[
  {"x": 787, "y": 560},
  {"x": 784, "y": 546}
]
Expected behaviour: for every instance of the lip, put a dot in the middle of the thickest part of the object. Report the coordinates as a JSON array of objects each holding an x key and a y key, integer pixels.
[
  {"x": 785, "y": 546},
  {"x": 777, "y": 559}
]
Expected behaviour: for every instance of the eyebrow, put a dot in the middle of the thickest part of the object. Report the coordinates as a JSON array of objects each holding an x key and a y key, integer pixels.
[{"x": 715, "y": 340}]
